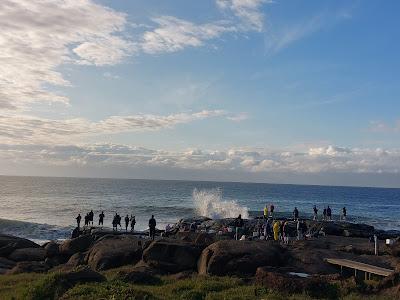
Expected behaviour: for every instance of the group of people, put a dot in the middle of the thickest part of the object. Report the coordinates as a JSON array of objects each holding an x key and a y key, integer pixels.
[
  {"x": 327, "y": 214},
  {"x": 115, "y": 222},
  {"x": 88, "y": 219},
  {"x": 129, "y": 220}
]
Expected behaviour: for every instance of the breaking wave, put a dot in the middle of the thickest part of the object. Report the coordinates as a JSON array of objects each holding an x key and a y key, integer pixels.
[{"x": 209, "y": 203}]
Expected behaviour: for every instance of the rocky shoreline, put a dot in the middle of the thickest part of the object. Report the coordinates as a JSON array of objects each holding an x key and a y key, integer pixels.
[{"x": 296, "y": 268}]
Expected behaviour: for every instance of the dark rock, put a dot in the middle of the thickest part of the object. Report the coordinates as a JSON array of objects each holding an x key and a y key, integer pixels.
[
  {"x": 182, "y": 275},
  {"x": 343, "y": 229},
  {"x": 52, "y": 249},
  {"x": 395, "y": 249},
  {"x": 9, "y": 243},
  {"x": 172, "y": 255},
  {"x": 274, "y": 279},
  {"x": 113, "y": 251},
  {"x": 79, "y": 244},
  {"x": 239, "y": 257},
  {"x": 28, "y": 254},
  {"x": 29, "y": 267},
  {"x": 52, "y": 262},
  {"x": 6, "y": 265},
  {"x": 77, "y": 259},
  {"x": 82, "y": 274},
  {"x": 138, "y": 276},
  {"x": 200, "y": 239},
  {"x": 387, "y": 234}
]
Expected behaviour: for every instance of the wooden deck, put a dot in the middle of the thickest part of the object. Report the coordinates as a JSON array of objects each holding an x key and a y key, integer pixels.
[{"x": 358, "y": 266}]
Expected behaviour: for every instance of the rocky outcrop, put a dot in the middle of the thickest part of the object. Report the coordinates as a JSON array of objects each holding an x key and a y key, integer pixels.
[
  {"x": 6, "y": 265},
  {"x": 343, "y": 229},
  {"x": 52, "y": 249},
  {"x": 9, "y": 244},
  {"x": 79, "y": 244},
  {"x": 239, "y": 257},
  {"x": 172, "y": 256},
  {"x": 290, "y": 283},
  {"x": 113, "y": 251},
  {"x": 28, "y": 254}
]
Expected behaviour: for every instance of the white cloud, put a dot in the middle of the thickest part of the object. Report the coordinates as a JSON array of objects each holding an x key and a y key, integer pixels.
[
  {"x": 38, "y": 36},
  {"x": 173, "y": 34},
  {"x": 382, "y": 127},
  {"x": 355, "y": 161},
  {"x": 248, "y": 12},
  {"x": 28, "y": 129}
]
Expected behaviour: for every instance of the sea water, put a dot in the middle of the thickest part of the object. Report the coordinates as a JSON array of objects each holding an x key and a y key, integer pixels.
[{"x": 41, "y": 208}]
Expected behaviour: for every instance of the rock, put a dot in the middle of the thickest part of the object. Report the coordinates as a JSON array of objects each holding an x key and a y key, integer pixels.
[
  {"x": 387, "y": 234},
  {"x": 239, "y": 257},
  {"x": 274, "y": 279},
  {"x": 9, "y": 243},
  {"x": 77, "y": 259},
  {"x": 29, "y": 267},
  {"x": 172, "y": 255},
  {"x": 28, "y": 254},
  {"x": 113, "y": 251},
  {"x": 344, "y": 229},
  {"x": 201, "y": 239},
  {"x": 79, "y": 244},
  {"x": 139, "y": 276},
  {"x": 6, "y": 265},
  {"x": 182, "y": 275},
  {"x": 395, "y": 249},
  {"x": 52, "y": 262},
  {"x": 82, "y": 274},
  {"x": 52, "y": 249}
]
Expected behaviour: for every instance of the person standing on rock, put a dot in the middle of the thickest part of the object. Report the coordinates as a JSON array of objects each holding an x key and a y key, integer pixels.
[
  {"x": 86, "y": 219},
  {"x": 91, "y": 216},
  {"x": 276, "y": 228},
  {"x": 266, "y": 212},
  {"x": 329, "y": 213},
  {"x": 296, "y": 214},
  {"x": 126, "y": 222},
  {"x": 271, "y": 210},
  {"x": 78, "y": 220},
  {"x": 324, "y": 215},
  {"x": 152, "y": 227},
  {"x": 344, "y": 213},
  {"x": 315, "y": 209},
  {"x": 101, "y": 219},
  {"x": 239, "y": 225},
  {"x": 133, "y": 223}
]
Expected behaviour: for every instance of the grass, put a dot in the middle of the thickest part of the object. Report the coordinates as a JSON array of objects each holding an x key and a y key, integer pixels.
[{"x": 50, "y": 286}]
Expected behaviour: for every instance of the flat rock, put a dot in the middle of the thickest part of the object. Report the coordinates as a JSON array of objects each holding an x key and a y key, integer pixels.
[{"x": 239, "y": 257}]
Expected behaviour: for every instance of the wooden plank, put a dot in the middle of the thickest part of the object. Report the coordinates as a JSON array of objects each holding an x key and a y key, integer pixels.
[{"x": 359, "y": 266}]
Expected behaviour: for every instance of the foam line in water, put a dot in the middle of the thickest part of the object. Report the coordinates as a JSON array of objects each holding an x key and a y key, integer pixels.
[{"x": 209, "y": 203}]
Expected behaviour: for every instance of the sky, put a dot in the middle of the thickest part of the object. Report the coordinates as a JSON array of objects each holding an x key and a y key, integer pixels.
[{"x": 225, "y": 90}]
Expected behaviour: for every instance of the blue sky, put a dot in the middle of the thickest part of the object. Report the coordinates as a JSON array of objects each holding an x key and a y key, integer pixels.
[{"x": 277, "y": 91}]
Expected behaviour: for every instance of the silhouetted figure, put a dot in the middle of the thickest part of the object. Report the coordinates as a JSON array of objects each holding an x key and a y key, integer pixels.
[
  {"x": 193, "y": 227},
  {"x": 78, "y": 220},
  {"x": 329, "y": 213},
  {"x": 239, "y": 224},
  {"x": 86, "y": 219},
  {"x": 271, "y": 210},
  {"x": 344, "y": 213},
  {"x": 101, "y": 218},
  {"x": 296, "y": 214},
  {"x": 115, "y": 222},
  {"x": 91, "y": 216},
  {"x": 152, "y": 227},
  {"x": 126, "y": 222},
  {"x": 324, "y": 214},
  {"x": 315, "y": 209},
  {"x": 119, "y": 221},
  {"x": 133, "y": 223}
]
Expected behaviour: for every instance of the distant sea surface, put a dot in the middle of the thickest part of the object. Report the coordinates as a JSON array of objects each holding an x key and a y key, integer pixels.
[{"x": 42, "y": 208}]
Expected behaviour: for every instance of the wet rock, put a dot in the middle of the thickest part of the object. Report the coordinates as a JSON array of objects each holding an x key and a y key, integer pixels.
[
  {"x": 9, "y": 243},
  {"x": 29, "y": 267},
  {"x": 239, "y": 257},
  {"x": 113, "y": 251},
  {"x": 79, "y": 244},
  {"x": 172, "y": 255},
  {"x": 28, "y": 254}
]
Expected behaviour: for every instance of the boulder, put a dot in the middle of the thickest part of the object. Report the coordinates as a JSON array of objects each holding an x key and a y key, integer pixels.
[
  {"x": 113, "y": 251},
  {"x": 197, "y": 238},
  {"x": 28, "y": 254},
  {"x": 172, "y": 256},
  {"x": 9, "y": 243},
  {"x": 82, "y": 274},
  {"x": 77, "y": 259},
  {"x": 79, "y": 244},
  {"x": 6, "y": 265},
  {"x": 139, "y": 276},
  {"x": 52, "y": 249},
  {"x": 274, "y": 279},
  {"x": 343, "y": 229},
  {"x": 29, "y": 267},
  {"x": 239, "y": 257}
]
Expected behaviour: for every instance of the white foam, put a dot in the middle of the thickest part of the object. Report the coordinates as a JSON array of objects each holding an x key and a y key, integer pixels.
[{"x": 209, "y": 203}]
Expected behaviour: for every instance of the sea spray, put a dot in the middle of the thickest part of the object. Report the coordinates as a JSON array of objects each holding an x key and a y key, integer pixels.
[{"x": 209, "y": 203}]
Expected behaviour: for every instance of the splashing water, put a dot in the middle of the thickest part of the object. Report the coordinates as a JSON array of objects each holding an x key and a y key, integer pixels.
[{"x": 209, "y": 203}]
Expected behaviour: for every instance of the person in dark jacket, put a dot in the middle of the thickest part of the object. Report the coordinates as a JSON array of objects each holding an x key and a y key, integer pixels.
[
  {"x": 239, "y": 224},
  {"x": 101, "y": 218},
  {"x": 152, "y": 227},
  {"x": 78, "y": 220},
  {"x": 133, "y": 223},
  {"x": 126, "y": 222}
]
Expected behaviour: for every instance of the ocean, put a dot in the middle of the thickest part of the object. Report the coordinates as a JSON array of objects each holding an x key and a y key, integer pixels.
[{"x": 41, "y": 208}]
